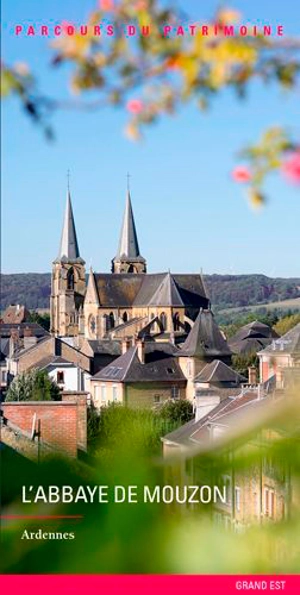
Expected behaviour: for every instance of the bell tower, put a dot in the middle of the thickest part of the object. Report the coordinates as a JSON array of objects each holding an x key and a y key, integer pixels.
[
  {"x": 68, "y": 283},
  {"x": 128, "y": 258}
]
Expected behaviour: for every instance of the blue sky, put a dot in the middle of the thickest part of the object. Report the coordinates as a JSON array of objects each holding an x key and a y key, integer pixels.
[{"x": 189, "y": 214}]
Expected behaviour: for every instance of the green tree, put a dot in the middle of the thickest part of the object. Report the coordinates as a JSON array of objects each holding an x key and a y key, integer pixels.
[
  {"x": 42, "y": 319},
  {"x": 177, "y": 411},
  {"x": 33, "y": 385},
  {"x": 286, "y": 323},
  {"x": 241, "y": 363}
]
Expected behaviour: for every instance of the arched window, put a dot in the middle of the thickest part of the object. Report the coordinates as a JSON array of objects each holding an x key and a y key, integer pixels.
[
  {"x": 111, "y": 320},
  {"x": 176, "y": 322},
  {"x": 163, "y": 321},
  {"x": 70, "y": 279},
  {"x": 131, "y": 269},
  {"x": 125, "y": 317}
]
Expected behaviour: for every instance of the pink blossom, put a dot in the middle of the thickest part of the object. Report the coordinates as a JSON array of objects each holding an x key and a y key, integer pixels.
[
  {"x": 291, "y": 167},
  {"x": 241, "y": 174},
  {"x": 106, "y": 5},
  {"x": 135, "y": 106}
]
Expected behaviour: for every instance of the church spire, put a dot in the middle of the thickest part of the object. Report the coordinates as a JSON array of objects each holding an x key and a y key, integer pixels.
[
  {"x": 68, "y": 244},
  {"x": 128, "y": 244},
  {"x": 128, "y": 258}
]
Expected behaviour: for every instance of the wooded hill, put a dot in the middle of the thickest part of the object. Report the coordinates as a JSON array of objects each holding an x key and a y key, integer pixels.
[{"x": 225, "y": 291}]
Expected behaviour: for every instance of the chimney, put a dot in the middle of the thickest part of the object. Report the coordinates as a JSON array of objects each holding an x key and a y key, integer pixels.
[
  {"x": 141, "y": 350},
  {"x": 126, "y": 344},
  {"x": 252, "y": 375}
]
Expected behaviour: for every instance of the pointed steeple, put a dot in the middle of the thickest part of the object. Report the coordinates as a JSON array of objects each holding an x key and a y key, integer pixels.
[
  {"x": 128, "y": 258},
  {"x": 68, "y": 244},
  {"x": 128, "y": 244}
]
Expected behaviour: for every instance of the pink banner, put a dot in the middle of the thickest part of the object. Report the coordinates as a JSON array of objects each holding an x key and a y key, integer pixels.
[{"x": 149, "y": 584}]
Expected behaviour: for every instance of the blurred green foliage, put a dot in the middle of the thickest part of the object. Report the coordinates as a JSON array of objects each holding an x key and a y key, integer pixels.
[
  {"x": 135, "y": 430},
  {"x": 156, "y": 538}
]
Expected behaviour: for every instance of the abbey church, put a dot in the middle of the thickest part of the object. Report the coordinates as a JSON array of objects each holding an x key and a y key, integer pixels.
[
  {"x": 127, "y": 336},
  {"x": 128, "y": 301}
]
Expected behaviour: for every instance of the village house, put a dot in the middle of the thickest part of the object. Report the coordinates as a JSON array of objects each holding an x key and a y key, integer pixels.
[
  {"x": 145, "y": 375},
  {"x": 67, "y": 366},
  {"x": 282, "y": 354},
  {"x": 16, "y": 336}
]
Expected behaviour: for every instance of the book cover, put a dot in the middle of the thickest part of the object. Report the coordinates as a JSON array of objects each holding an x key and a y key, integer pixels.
[{"x": 150, "y": 296}]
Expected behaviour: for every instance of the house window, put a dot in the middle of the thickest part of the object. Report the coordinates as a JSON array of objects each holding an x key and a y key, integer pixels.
[
  {"x": 157, "y": 398},
  {"x": 3, "y": 376},
  {"x": 269, "y": 503},
  {"x": 103, "y": 393},
  {"x": 60, "y": 378},
  {"x": 237, "y": 493},
  {"x": 175, "y": 394},
  {"x": 125, "y": 317},
  {"x": 115, "y": 393}
]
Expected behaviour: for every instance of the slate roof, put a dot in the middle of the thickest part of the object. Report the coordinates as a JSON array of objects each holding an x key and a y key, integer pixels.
[
  {"x": 198, "y": 431},
  {"x": 118, "y": 289},
  {"x": 167, "y": 294},
  {"x": 248, "y": 346},
  {"x": 105, "y": 347},
  {"x": 218, "y": 372},
  {"x": 288, "y": 343},
  {"x": 127, "y": 289},
  {"x": 49, "y": 360},
  {"x": 254, "y": 329},
  {"x": 128, "y": 368},
  {"x": 205, "y": 338},
  {"x": 252, "y": 338},
  {"x": 36, "y": 329}
]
